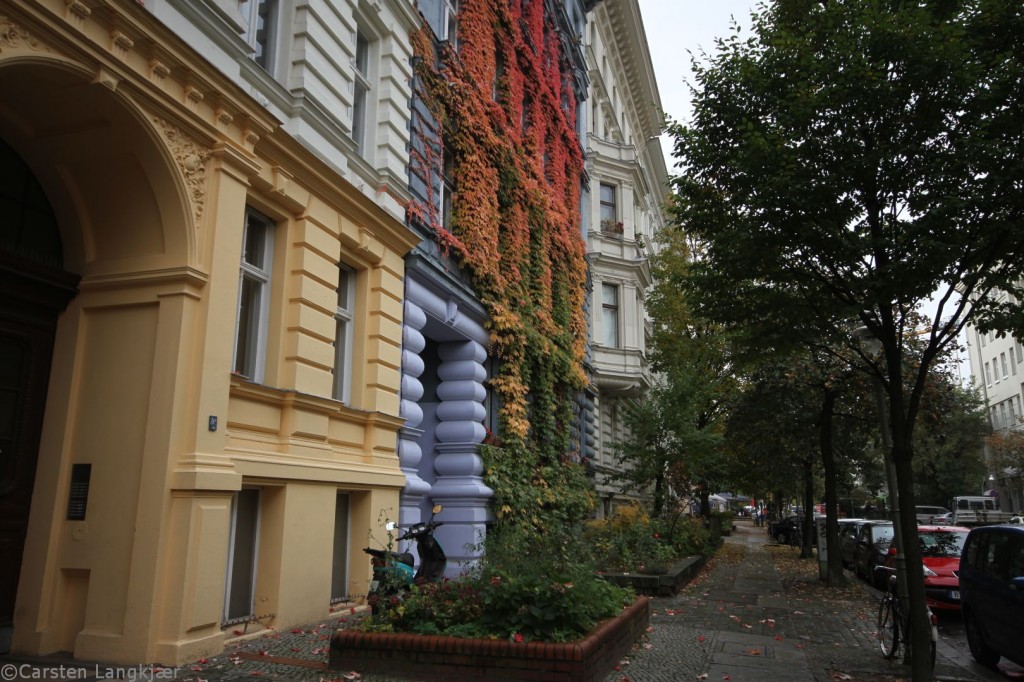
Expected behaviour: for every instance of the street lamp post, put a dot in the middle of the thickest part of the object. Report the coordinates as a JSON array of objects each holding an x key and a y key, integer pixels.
[{"x": 874, "y": 346}]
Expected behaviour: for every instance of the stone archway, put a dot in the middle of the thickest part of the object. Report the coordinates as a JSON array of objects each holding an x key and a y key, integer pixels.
[{"x": 82, "y": 334}]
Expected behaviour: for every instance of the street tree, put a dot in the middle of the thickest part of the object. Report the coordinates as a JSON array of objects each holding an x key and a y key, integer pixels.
[
  {"x": 845, "y": 163},
  {"x": 676, "y": 434}
]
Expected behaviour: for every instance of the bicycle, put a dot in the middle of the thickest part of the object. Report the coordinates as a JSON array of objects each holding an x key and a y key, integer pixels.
[{"x": 894, "y": 624}]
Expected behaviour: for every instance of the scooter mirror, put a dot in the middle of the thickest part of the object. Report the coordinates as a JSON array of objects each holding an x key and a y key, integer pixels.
[
  {"x": 391, "y": 525},
  {"x": 437, "y": 509}
]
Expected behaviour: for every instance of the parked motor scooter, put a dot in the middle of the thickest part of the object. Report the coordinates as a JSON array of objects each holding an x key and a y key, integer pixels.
[{"x": 393, "y": 571}]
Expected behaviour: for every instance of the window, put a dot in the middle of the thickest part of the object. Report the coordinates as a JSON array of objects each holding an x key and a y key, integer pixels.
[
  {"x": 361, "y": 91},
  {"x": 1013, "y": 364},
  {"x": 254, "y": 296},
  {"x": 610, "y": 314},
  {"x": 447, "y": 189},
  {"x": 1012, "y": 413},
  {"x": 343, "y": 334},
  {"x": 981, "y": 338},
  {"x": 243, "y": 544},
  {"x": 1002, "y": 359},
  {"x": 1002, "y": 416},
  {"x": 339, "y": 574},
  {"x": 261, "y": 17},
  {"x": 609, "y": 210},
  {"x": 450, "y": 23},
  {"x": 988, "y": 374}
]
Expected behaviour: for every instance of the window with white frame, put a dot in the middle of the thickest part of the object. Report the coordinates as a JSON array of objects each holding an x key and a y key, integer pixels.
[
  {"x": 1011, "y": 408},
  {"x": 361, "y": 90},
  {"x": 450, "y": 23},
  {"x": 254, "y": 296},
  {"x": 1002, "y": 360},
  {"x": 343, "y": 322},
  {"x": 610, "y": 314},
  {"x": 609, "y": 210},
  {"x": 260, "y": 18},
  {"x": 988, "y": 374}
]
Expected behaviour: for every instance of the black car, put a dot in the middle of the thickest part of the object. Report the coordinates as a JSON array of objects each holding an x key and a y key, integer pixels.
[
  {"x": 789, "y": 530},
  {"x": 992, "y": 593},
  {"x": 848, "y": 529},
  {"x": 873, "y": 540}
]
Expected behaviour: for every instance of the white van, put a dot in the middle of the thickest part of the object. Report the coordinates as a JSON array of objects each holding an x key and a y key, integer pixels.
[{"x": 924, "y": 514}]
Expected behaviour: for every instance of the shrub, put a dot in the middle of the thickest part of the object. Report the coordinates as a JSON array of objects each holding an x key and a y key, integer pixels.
[
  {"x": 630, "y": 541},
  {"x": 528, "y": 586}
]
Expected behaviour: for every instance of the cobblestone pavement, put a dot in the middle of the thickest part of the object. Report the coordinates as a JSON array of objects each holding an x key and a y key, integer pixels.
[{"x": 756, "y": 612}]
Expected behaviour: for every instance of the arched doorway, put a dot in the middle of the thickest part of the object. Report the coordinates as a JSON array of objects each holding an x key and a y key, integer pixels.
[{"x": 36, "y": 289}]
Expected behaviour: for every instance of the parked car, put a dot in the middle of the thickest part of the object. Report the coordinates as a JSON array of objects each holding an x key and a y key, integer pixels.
[
  {"x": 941, "y": 519},
  {"x": 873, "y": 540},
  {"x": 992, "y": 593},
  {"x": 785, "y": 530},
  {"x": 1017, "y": 521},
  {"x": 848, "y": 538},
  {"x": 940, "y": 555},
  {"x": 926, "y": 514}
]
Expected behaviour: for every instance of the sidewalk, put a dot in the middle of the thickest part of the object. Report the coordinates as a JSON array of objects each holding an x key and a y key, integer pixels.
[
  {"x": 758, "y": 613},
  {"x": 755, "y": 613}
]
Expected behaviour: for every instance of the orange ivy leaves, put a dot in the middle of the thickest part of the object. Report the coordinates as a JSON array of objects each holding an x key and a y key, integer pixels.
[{"x": 505, "y": 110}]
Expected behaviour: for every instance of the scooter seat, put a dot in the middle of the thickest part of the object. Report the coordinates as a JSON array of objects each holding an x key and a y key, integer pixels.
[{"x": 405, "y": 558}]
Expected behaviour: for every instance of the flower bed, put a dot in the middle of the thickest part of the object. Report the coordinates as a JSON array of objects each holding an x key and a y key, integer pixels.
[
  {"x": 435, "y": 657},
  {"x": 661, "y": 585}
]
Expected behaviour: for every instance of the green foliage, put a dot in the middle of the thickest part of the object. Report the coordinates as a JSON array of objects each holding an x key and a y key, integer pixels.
[
  {"x": 543, "y": 587},
  {"x": 529, "y": 586},
  {"x": 633, "y": 542},
  {"x": 530, "y": 492},
  {"x": 948, "y": 444}
]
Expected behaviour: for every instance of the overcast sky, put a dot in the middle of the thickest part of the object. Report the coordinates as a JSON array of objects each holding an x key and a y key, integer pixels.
[{"x": 675, "y": 26}]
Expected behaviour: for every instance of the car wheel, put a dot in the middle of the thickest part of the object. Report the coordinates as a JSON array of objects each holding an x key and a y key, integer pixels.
[{"x": 976, "y": 641}]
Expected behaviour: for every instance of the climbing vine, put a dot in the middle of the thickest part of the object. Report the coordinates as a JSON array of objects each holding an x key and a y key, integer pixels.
[{"x": 505, "y": 114}]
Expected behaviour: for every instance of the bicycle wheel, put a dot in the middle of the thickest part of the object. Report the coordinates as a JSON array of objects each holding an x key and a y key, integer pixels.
[{"x": 888, "y": 628}]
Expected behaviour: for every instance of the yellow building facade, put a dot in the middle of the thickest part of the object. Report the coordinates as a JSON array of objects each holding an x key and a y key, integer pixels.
[{"x": 200, "y": 350}]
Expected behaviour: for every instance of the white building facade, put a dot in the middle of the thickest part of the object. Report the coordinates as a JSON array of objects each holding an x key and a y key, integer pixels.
[
  {"x": 997, "y": 369},
  {"x": 624, "y": 210}
]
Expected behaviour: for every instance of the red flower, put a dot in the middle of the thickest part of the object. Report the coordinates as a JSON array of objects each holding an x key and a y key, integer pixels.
[
  {"x": 656, "y": 536},
  {"x": 517, "y": 638}
]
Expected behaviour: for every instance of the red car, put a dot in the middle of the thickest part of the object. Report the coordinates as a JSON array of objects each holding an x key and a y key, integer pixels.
[{"x": 940, "y": 554}]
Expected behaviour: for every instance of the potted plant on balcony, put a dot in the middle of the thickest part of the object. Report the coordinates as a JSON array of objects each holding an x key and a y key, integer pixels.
[{"x": 609, "y": 226}]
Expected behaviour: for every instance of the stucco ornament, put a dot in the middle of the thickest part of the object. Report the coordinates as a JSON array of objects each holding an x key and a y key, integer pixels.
[
  {"x": 13, "y": 36},
  {"x": 191, "y": 159}
]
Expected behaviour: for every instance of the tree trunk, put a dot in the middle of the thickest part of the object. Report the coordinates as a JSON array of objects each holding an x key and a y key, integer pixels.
[
  {"x": 806, "y": 547},
  {"x": 659, "y": 494},
  {"x": 834, "y": 571},
  {"x": 920, "y": 625}
]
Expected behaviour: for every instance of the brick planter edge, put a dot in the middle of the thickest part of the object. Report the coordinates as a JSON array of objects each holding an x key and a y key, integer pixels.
[{"x": 433, "y": 657}]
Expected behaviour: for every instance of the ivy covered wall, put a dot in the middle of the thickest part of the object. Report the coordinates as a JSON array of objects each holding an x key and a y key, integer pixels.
[{"x": 502, "y": 131}]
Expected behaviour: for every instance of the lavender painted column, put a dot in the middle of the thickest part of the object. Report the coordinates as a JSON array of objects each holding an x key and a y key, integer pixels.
[
  {"x": 459, "y": 485},
  {"x": 409, "y": 451}
]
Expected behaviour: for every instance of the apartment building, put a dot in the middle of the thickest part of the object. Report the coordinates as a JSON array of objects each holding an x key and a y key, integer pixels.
[
  {"x": 201, "y": 327},
  {"x": 624, "y": 210},
  {"x": 997, "y": 369}
]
